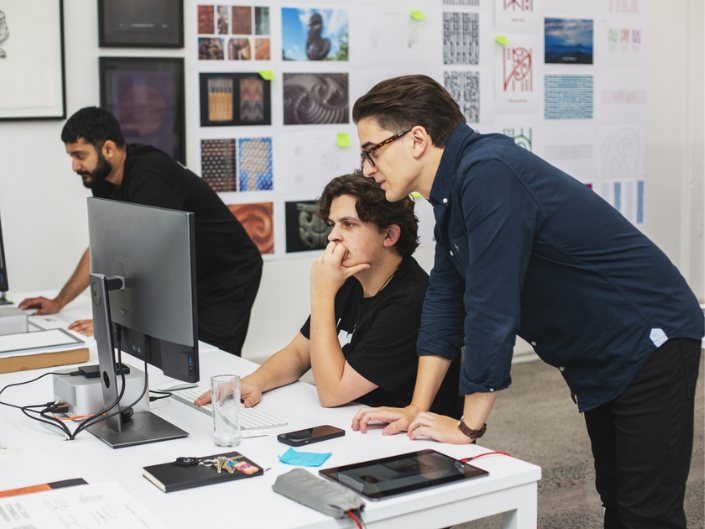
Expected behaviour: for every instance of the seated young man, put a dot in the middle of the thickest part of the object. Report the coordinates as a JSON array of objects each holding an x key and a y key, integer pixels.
[{"x": 367, "y": 292}]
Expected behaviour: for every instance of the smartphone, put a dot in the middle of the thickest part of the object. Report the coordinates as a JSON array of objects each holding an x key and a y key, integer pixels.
[{"x": 310, "y": 435}]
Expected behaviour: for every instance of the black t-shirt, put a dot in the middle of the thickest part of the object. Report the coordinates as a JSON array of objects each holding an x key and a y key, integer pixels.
[
  {"x": 227, "y": 261},
  {"x": 378, "y": 338}
]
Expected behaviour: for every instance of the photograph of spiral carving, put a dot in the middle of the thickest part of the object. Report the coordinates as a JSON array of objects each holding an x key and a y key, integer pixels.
[
  {"x": 258, "y": 221},
  {"x": 255, "y": 164},
  {"x": 312, "y": 98}
]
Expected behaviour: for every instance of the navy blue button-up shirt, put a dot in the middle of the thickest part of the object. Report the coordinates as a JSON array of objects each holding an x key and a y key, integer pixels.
[{"x": 523, "y": 248}]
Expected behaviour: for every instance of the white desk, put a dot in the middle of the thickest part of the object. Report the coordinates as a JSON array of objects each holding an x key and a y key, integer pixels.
[{"x": 44, "y": 457}]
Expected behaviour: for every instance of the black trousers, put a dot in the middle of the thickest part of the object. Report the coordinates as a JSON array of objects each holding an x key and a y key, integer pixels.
[
  {"x": 224, "y": 324},
  {"x": 642, "y": 441}
]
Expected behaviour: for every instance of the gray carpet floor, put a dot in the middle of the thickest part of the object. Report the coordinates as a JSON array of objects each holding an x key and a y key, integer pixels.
[{"x": 536, "y": 420}]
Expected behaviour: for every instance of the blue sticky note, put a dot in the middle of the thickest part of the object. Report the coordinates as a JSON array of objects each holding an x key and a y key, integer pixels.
[{"x": 304, "y": 459}]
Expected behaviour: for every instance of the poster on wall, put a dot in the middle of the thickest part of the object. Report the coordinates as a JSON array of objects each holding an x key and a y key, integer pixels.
[
  {"x": 235, "y": 99},
  {"x": 234, "y": 33},
  {"x": 316, "y": 98},
  {"x": 140, "y": 24},
  {"x": 314, "y": 34},
  {"x": 258, "y": 221},
  {"x": 34, "y": 65},
  {"x": 304, "y": 230},
  {"x": 147, "y": 97}
]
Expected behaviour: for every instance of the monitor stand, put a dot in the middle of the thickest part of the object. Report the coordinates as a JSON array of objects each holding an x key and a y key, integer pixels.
[
  {"x": 144, "y": 427},
  {"x": 4, "y": 300}
]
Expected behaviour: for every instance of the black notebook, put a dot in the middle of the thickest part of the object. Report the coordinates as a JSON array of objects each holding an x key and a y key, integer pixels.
[{"x": 169, "y": 477}]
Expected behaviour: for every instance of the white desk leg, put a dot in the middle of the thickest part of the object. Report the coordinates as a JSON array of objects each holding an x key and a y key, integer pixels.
[{"x": 525, "y": 516}]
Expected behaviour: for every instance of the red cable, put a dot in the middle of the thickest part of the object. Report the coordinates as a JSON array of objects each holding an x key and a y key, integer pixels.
[
  {"x": 468, "y": 459},
  {"x": 350, "y": 513}
]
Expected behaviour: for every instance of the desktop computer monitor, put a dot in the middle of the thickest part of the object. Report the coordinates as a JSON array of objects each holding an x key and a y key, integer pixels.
[
  {"x": 4, "y": 287},
  {"x": 143, "y": 264}
]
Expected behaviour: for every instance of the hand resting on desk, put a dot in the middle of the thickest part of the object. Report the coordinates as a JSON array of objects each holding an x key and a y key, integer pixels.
[
  {"x": 42, "y": 304},
  {"x": 250, "y": 394},
  {"x": 84, "y": 327},
  {"x": 399, "y": 419}
]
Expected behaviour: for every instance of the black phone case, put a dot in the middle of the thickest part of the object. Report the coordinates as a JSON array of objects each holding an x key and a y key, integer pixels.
[{"x": 282, "y": 438}]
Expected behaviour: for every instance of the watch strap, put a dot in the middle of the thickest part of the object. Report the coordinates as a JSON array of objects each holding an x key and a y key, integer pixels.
[{"x": 469, "y": 432}]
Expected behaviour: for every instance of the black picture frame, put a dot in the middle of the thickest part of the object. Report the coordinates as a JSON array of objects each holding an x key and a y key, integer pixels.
[
  {"x": 34, "y": 104},
  {"x": 146, "y": 95},
  {"x": 237, "y": 108},
  {"x": 140, "y": 24}
]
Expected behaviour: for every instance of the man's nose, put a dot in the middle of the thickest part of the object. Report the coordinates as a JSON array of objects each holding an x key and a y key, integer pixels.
[
  {"x": 368, "y": 169},
  {"x": 334, "y": 235}
]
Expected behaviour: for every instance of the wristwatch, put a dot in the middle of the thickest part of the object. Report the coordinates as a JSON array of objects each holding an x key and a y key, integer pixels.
[{"x": 472, "y": 434}]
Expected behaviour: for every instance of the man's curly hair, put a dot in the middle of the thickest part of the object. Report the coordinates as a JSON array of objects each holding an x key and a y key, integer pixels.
[{"x": 372, "y": 206}]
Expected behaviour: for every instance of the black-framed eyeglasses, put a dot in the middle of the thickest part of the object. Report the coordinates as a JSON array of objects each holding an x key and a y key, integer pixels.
[{"x": 365, "y": 154}]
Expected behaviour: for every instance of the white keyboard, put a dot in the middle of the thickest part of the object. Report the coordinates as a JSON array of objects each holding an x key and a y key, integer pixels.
[{"x": 250, "y": 418}]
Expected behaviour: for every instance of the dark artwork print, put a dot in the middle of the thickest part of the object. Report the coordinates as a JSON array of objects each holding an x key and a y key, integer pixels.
[{"x": 311, "y": 98}]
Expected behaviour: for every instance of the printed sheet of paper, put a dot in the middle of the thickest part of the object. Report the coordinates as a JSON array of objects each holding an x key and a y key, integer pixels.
[
  {"x": 106, "y": 505},
  {"x": 517, "y": 84},
  {"x": 518, "y": 17}
]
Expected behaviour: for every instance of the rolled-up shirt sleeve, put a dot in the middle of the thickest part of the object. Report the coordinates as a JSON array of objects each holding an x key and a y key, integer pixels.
[{"x": 500, "y": 217}]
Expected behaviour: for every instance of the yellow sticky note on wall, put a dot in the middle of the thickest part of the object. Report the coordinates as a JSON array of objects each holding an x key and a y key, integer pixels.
[
  {"x": 417, "y": 15},
  {"x": 343, "y": 139},
  {"x": 267, "y": 75}
]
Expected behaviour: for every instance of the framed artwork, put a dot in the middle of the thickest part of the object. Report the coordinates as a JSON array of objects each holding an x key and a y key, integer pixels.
[
  {"x": 140, "y": 24},
  {"x": 34, "y": 65},
  {"x": 235, "y": 99},
  {"x": 146, "y": 95}
]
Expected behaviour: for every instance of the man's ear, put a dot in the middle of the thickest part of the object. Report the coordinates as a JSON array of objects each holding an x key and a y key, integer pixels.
[
  {"x": 108, "y": 149},
  {"x": 392, "y": 235},
  {"x": 422, "y": 141}
]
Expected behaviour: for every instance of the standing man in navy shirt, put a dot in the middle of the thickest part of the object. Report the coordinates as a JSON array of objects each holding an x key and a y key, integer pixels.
[{"x": 524, "y": 249}]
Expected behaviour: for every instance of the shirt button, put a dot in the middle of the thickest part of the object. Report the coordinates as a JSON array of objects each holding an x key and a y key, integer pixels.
[
  {"x": 445, "y": 200},
  {"x": 562, "y": 368},
  {"x": 491, "y": 390},
  {"x": 533, "y": 344},
  {"x": 451, "y": 253}
]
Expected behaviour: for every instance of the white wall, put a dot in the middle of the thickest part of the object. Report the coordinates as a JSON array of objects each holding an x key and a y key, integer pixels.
[{"x": 43, "y": 202}]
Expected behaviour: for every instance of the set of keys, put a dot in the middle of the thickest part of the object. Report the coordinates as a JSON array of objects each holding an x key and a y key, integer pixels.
[
  {"x": 231, "y": 464},
  {"x": 227, "y": 463}
]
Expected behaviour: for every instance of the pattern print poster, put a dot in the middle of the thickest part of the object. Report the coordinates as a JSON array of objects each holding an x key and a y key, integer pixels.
[
  {"x": 255, "y": 164},
  {"x": 517, "y": 83},
  {"x": 461, "y": 38},
  {"x": 465, "y": 89}
]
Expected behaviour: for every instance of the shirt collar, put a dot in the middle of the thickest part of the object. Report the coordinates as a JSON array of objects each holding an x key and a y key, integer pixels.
[{"x": 443, "y": 181}]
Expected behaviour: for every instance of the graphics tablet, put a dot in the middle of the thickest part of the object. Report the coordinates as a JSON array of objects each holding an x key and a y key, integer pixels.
[{"x": 390, "y": 476}]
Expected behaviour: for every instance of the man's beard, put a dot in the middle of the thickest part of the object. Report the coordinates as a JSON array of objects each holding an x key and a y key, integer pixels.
[{"x": 99, "y": 174}]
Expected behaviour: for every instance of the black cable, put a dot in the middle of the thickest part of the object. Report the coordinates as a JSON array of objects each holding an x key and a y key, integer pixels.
[
  {"x": 26, "y": 409},
  {"x": 98, "y": 417},
  {"x": 146, "y": 377}
]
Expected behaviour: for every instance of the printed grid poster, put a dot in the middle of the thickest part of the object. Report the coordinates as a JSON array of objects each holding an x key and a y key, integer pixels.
[{"x": 568, "y": 82}]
